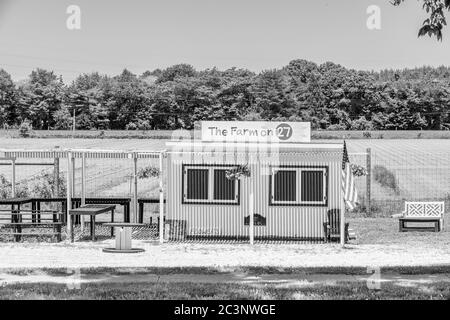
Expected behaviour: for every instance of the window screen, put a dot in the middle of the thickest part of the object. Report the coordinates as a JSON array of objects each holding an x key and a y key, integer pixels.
[
  {"x": 299, "y": 186},
  {"x": 285, "y": 188},
  {"x": 197, "y": 184},
  {"x": 224, "y": 189},
  {"x": 311, "y": 186}
]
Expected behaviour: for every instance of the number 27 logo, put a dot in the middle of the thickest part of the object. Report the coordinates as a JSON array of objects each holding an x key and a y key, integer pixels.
[{"x": 284, "y": 131}]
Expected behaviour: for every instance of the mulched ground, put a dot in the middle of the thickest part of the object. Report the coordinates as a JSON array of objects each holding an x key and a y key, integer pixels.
[{"x": 147, "y": 232}]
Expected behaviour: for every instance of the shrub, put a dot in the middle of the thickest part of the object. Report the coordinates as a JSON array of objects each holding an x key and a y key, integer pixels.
[
  {"x": 367, "y": 135},
  {"x": 238, "y": 172},
  {"x": 358, "y": 171},
  {"x": 25, "y": 129},
  {"x": 139, "y": 125},
  {"x": 361, "y": 124},
  {"x": 148, "y": 172},
  {"x": 337, "y": 127},
  {"x": 40, "y": 185},
  {"x": 131, "y": 126},
  {"x": 361, "y": 209},
  {"x": 385, "y": 177}
]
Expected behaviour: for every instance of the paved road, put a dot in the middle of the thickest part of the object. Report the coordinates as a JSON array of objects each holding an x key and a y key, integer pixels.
[{"x": 285, "y": 280}]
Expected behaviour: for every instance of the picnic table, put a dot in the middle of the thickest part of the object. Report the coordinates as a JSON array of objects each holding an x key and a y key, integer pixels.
[
  {"x": 123, "y": 237},
  {"x": 142, "y": 202},
  {"x": 91, "y": 210},
  {"x": 76, "y": 202},
  {"x": 15, "y": 204}
]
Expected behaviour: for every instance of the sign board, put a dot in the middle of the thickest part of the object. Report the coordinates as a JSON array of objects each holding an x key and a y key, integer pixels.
[{"x": 256, "y": 131}]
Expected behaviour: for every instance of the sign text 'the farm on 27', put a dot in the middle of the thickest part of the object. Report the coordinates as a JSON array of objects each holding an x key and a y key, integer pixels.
[{"x": 256, "y": 131}]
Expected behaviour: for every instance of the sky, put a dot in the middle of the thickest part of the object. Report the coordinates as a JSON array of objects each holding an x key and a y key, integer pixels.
[{"x": 258, "y": 35}]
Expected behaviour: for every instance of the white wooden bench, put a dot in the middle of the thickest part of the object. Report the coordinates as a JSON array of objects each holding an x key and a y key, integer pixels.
[{"x": 419, "y": 215}]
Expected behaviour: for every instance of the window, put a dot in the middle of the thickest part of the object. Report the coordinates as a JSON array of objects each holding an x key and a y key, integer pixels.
[
  {"x": 208, "y": 184},
  {"x": 224, "y": 189},
  {"x": 312, "y": 186},
  {"x": 197, "y": 184},
  {"x": 299, "y": 185},
  {"x": 285, "y": 188}
]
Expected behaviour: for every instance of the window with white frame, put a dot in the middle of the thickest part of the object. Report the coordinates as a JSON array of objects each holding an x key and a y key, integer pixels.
[
  {"x": 299, "y": 185},
  {"x": 208, "y": 184}
]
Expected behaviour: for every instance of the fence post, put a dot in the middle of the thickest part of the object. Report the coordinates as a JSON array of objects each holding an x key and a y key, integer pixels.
[
  {"x": 252, "y": 218},
  {"x": 13, "y": 179},
  {"x": 368, "y": 180},
  {"x": 251, "y": 208},
  {"x": 161, "y": 199},
  {"x": 56, "y": 177},
  {"x": 83, "y": 187},
  {"x": 69, "y": 191},
  {"x": 135, "y": 191},
  {"x": 73, "y": 177}
]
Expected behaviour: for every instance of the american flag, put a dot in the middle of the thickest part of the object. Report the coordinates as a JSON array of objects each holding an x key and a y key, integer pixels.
[{"x": 348, "y": 181}]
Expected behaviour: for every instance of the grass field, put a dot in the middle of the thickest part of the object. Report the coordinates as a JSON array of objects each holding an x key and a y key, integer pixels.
[{"x": 355, "y": 290}]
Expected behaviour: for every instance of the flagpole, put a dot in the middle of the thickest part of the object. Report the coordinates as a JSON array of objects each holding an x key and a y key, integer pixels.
[{"x": 342, "y": 219}]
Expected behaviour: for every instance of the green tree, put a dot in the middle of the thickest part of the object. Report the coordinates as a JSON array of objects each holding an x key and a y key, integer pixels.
[
  {"x": 40, "y": 97},
  {"x": 436, "y": 21},
  {"x": 177, "y": 71},
  {"x": 8, "y": 100}
]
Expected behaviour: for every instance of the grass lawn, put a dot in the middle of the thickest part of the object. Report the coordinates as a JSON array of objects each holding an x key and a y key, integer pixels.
[
  {"x": 385, "y": 231},
  {"x": 224, "y": 291}
]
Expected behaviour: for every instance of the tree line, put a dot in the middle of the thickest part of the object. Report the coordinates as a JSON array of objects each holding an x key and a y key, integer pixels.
[{"x": 329, "y": 96}]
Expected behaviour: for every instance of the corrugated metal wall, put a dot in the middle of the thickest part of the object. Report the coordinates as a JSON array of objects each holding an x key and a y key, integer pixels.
[{"x": 212, "y": 220}]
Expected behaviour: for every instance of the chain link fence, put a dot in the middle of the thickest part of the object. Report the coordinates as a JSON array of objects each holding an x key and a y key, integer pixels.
[{"x": 396, "y": 177}]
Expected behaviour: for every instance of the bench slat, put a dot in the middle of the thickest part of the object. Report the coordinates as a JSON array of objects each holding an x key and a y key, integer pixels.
[
  {"x": 32, "y": 224},
  {"x": 29, "y": 234}
]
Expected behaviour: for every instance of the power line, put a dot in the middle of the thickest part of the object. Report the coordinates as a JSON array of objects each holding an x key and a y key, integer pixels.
[{"x": 94, "y": 63}]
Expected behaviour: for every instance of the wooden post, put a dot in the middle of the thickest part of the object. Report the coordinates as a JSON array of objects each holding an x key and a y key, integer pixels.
[
  {"x": 13, "y": 178},
  {"x": 69, "y": 191},
  {"x": 161, "y": 199},
  {"x": 368, "y": 180}
]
